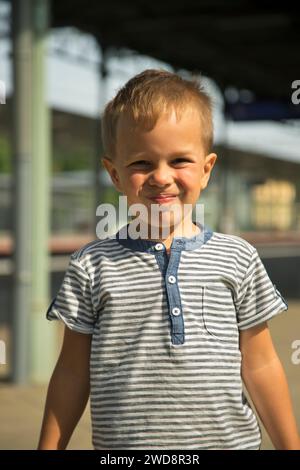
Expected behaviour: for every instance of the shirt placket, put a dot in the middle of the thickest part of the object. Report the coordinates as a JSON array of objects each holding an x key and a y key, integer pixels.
[{"x": 169, "y": 269}]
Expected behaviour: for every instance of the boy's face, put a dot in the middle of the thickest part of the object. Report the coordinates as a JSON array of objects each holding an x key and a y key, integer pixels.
[{"x": 166, "y": 165}]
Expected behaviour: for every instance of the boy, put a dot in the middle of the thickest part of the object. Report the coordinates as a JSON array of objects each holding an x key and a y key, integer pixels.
[{"x": 162, "y": 329}]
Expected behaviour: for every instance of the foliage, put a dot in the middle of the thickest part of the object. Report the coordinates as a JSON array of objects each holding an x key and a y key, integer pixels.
[
  {"x": 71, "y": 159},
  {"x": 5, "y": 155}
]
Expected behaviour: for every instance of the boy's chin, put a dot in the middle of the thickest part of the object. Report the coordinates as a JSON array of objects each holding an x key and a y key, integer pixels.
[
  {"x": 164, "y": 219},
  {"x": 166, "y": 227}
]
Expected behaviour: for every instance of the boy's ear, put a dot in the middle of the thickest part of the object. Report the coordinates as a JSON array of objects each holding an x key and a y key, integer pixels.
[
  {"x": 209, "y": 162},
  {"x": 110, "y": 167}
]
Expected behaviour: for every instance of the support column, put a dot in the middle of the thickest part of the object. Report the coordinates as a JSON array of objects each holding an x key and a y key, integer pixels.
[
  {"x": 227, "y": 222},
  {"x": 98, "y": 170},
  {"x": 22, "y": 184},
  {"x": 43, "y": 334}
]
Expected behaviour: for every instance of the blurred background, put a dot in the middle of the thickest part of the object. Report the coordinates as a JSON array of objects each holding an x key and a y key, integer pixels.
[{"x": 60, "y": 62}]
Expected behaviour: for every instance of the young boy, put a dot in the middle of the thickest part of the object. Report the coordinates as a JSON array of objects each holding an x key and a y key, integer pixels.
[{"x": 162, "y": 330}]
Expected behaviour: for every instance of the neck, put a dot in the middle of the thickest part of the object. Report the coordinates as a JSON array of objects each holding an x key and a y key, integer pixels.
[{"x": 187, "y": 229}]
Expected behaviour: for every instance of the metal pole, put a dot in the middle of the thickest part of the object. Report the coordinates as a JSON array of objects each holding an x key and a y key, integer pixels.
[
  {"x": 98, "y": 185},
  {"x": 42, "y": 341},
  {"x": 228, "y": 199},
  {"x": 22, "y": 148}
]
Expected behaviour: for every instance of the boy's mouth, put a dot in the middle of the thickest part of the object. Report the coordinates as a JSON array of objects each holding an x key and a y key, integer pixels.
[{"x": 163, "y": 198}]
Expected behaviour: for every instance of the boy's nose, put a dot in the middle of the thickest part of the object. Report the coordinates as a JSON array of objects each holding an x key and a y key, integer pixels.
[{"x": 160, "y": 177}]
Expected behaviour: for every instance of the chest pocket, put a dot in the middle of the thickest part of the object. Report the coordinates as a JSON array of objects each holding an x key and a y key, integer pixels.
[{"x": 219, "y": 313}]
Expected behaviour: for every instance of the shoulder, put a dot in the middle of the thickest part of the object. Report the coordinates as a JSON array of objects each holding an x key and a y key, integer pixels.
[
  {"x": 95, "y": 250},
  {"x": 238, "y": 245}
]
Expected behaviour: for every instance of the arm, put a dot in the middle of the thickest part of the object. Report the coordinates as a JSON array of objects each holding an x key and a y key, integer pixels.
[
  {"x": 266, "y": 383},
  {"x": 68, "y": 391}
]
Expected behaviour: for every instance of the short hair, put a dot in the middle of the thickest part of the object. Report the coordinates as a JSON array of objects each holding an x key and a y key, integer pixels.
[{"x": 146, "y": 96}]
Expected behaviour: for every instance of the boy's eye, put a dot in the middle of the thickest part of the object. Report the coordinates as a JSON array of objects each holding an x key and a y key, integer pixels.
[
  {"x": 176, "y": 161},
  {"x": 140, "y": 163},
  {"x": 181, "y": 160}
]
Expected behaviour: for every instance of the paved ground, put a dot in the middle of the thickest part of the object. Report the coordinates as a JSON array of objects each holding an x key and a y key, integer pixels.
[{"x": 21, "y": 408}]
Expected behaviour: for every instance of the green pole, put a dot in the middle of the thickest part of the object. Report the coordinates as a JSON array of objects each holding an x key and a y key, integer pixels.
[
  {"x": 98, "y": 193},
  {"x": 21, "y": 190},
  {"x": 42, "y": 341}
]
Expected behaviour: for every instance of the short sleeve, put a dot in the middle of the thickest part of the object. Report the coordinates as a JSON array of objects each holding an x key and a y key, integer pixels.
[
  {"x": 73, "y": 303},
  {"x": 258, "y": 300}
]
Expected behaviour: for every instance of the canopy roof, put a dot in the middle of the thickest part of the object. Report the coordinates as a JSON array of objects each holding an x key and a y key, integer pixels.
[{"x": 249, "y": 45}]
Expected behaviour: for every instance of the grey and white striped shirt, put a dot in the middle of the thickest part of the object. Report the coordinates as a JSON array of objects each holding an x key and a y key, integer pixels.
[{"x": 165, "y": 364}]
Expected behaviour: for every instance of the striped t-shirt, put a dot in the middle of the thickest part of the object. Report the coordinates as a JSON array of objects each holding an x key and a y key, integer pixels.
[{"x": 165, "y": 365}]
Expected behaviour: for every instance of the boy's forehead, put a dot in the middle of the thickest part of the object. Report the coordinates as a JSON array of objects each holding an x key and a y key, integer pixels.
[
  {"x": 129, "y": 128},
  {"x": 171, "y": 134}
]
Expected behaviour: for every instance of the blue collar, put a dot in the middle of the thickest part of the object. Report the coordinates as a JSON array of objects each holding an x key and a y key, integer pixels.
[{"x": 178, "y": 243}]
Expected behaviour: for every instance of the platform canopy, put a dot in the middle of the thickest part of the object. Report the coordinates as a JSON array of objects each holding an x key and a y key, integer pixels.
[{"x": 247, "y": 45}]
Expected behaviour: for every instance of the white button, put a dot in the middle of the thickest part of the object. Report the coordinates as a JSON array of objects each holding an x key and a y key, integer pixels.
[
  {"x": 172, "y": 279},
  {"x": 176, "y": 311},
  {"x": 159, "y": 246}
]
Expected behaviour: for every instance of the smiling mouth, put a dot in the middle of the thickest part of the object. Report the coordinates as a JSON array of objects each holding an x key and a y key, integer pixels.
[{"x": 163, "y": 198}]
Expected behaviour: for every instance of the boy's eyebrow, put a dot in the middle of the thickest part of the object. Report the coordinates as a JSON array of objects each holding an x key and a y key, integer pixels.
[{"x": 133, "y": 156}]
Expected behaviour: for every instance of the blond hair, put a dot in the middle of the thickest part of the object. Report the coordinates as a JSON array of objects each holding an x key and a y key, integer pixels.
[{"x": 148, "y": 95}]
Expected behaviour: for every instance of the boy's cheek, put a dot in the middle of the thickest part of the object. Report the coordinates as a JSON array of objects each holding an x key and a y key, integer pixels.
[{"x": 134, "y": 184}]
